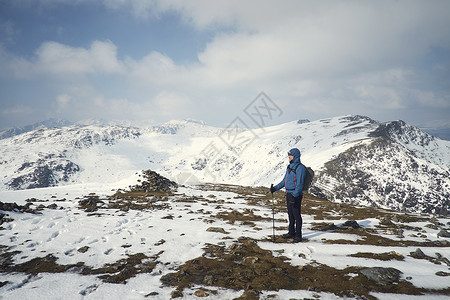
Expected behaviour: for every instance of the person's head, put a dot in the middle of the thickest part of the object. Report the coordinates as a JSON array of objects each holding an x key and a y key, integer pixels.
[{"x": 294, "y": 155}]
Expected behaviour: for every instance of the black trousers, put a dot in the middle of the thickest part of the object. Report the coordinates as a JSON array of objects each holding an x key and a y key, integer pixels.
[{"x": 294, "y": 208}]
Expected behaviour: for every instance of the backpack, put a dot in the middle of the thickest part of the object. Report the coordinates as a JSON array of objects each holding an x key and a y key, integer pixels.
[{"x": 308, "y": 177}]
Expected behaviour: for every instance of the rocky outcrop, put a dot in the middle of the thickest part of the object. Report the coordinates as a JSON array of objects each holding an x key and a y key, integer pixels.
[
  {"x": 383, "y": 173},
  {"x": 382, "y": 276},
  {"x": 45, "y": 172},
  {"x": 153, "y": 182}
]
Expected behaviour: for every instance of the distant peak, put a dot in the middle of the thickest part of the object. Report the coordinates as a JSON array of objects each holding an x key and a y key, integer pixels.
[
  {"x": 53, "y": 122},
  {"x": 88, "y": 122},
  {"x": 358, "y": 118},
  {"x": 389, "y": 129},
  {"x": 49, "y": 123},
  {"x": 402, "y": 131},
  {"x": 189, "y": 120}
]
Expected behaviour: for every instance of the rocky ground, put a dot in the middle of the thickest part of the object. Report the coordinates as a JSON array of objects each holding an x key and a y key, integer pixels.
[{"x": 217, "y": 242}]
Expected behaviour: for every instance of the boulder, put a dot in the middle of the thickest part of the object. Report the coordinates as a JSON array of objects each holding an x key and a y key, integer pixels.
[
  {"x": 443, "y": 233},
  {"x": 418, "y": 254},
  {"x": 217, "y": 229},
  {"x": 352, "y": 224},
  {"x": 382, "y": 276}
]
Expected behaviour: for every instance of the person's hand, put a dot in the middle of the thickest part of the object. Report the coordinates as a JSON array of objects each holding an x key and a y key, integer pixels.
[{"x": 272, "y": 189}]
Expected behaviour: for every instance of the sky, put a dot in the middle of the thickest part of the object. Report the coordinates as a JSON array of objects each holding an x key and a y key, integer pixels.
[{"x": 160, "y": 60}]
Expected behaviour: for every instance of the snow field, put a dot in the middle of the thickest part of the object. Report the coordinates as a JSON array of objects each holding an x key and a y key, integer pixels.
[{"x": 180, "y": 231}]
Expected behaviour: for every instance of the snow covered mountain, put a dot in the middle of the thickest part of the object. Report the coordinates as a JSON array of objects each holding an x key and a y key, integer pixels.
[
  {"x": 50, "y": 123},
  {"x": 356, "y": 159}
]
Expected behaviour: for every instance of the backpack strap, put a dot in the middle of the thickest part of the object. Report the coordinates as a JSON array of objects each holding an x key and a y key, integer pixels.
[{"x": 295, "y": 174}]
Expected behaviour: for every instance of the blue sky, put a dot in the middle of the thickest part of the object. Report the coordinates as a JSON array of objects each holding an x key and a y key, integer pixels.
[{"x": 151, "y": 60}]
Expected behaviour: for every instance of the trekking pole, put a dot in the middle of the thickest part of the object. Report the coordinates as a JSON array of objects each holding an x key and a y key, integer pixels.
[{"x": 273, "y": 217}]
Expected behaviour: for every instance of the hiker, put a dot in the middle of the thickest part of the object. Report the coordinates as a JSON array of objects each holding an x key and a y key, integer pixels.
[{"x": 293, "y": 183}]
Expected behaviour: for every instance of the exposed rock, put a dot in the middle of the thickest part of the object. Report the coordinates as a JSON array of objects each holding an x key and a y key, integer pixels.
[
  {"x": 386, "y": 221},
  {"x": 442, "y": 259},
  {"x": 169, "y": 279},
  {"x": 324, "y": 226},
  {"x": 4, "y": 219},
  {"x": 352, "y": 224},
  {"x": 444, "y": 233},
  {"x": 160, "y": 242},
  {"x": 352, "y": 174},
  {"x": 382, "y": 276},
  {"x": 5, "y": 206},
  {"x": 217, "y": 229},
  {"x": 395, "y": 231},
  {"x": 45, "y": 172},
  {"x": 90, "y": 203},
  {"x": 380, "y": 256},
  {"x": 199, "y": 164},
  {"x": 418, "y": 254},
  {"x": 53, "y": 206},
  {"x": 153, "y": 182},
  {"x": 201, "y": 293},
  {"x": 432, "y": 226},
  {"x": 83, "y": 249}
]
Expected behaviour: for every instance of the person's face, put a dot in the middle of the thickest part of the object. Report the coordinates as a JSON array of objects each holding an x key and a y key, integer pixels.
[{"x": 290, "y": 156}]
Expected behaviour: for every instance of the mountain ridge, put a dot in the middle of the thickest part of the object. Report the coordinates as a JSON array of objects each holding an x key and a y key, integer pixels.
[
  {"x": 192, "y": 152},
  {"x": 49, "y": 123}
]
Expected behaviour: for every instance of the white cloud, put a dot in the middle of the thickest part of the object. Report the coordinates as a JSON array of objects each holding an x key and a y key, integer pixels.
[
  {"x": 58, "y": 59},
  {"x": 17, "y": 110},
  {"x": 327, "y": 57},
  {"x": 278, "y": 42},
  {"x": 380, "y": 97},
  {"x": 62, "y": 101},
  {"x": 155, "y": 69},
  {"x": 172, "y": 105},
  {"x": 87, "y": 103},
  {"x": 430, "y": 99},
  {"x": 288, "y": 42},
  {"x": 240, "y": 59},
  {"x": 351, "y": 26}
]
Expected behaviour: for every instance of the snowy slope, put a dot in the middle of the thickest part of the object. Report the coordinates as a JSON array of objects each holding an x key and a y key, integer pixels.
[
  {"x": 67, "y": 252},
  {"x": 192, "y": 152}
]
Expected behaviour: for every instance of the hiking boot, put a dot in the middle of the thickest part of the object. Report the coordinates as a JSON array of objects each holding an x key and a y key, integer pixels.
[
  {"x": 297, "y": 239},
  {"x": 287, "y": 236}
]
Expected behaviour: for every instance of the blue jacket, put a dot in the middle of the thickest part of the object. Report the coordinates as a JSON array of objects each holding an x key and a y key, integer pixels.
[{"x": 293, "y": 180}]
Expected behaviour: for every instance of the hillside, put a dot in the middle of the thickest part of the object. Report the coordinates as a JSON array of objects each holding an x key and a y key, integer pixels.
[
  {"x": 159, "y": 241},
  {"x": 356, "y": 159}
]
